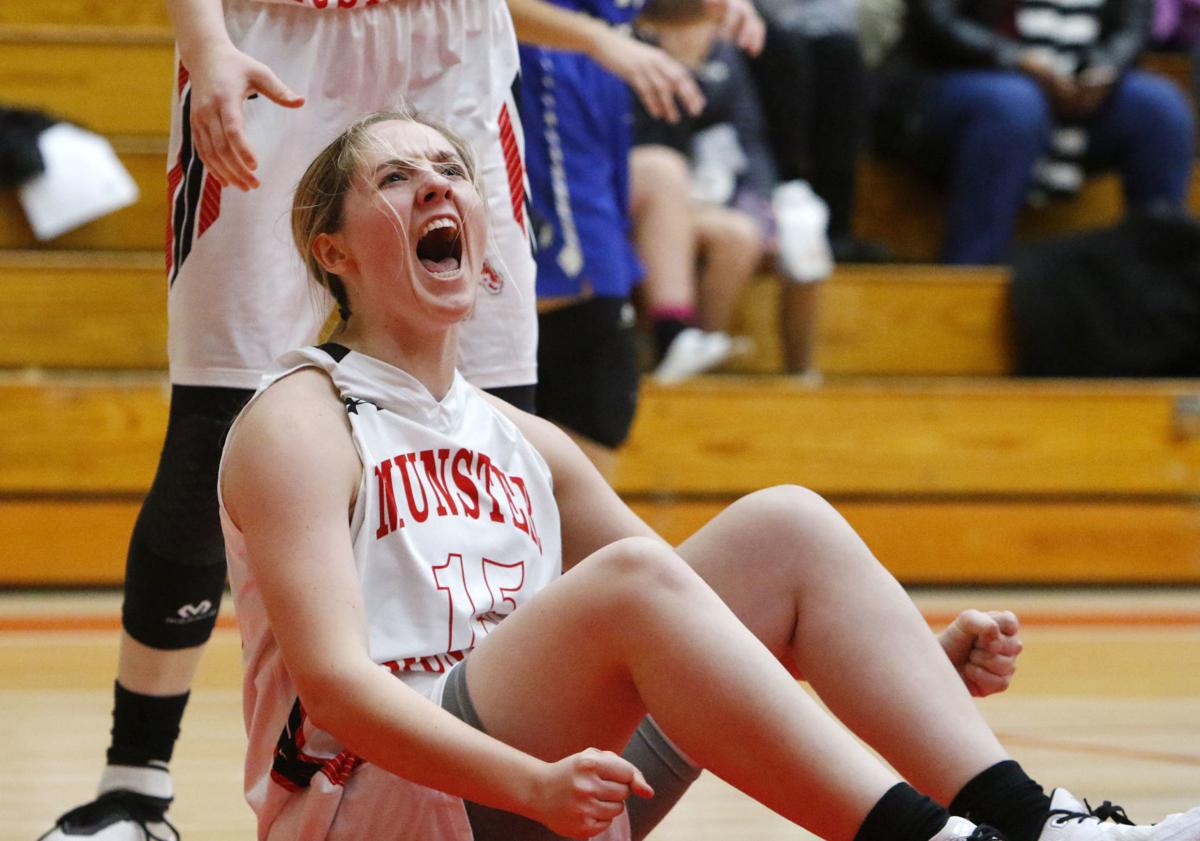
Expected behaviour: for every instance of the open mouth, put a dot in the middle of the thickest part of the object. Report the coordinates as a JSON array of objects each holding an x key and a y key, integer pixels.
[{"x": 439, "y": 247}]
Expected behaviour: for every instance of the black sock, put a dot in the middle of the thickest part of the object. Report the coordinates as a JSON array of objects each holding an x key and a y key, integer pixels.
[
  {"x": 145, "y": 727},
  {"x": 903, "y": 814},
  {"x": 1005, "y": 797},
  {"x": 665, "y": 331}
]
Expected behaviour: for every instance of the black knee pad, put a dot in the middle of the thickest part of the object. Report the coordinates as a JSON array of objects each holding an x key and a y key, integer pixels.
[{"x": 175, "y": 570}]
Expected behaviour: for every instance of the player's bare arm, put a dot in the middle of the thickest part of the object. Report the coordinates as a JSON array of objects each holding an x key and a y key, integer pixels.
[
  {"x": 662, "y": 83},
  {"x": 222, "y": 79},
  {"x": 312, "y": 595}
]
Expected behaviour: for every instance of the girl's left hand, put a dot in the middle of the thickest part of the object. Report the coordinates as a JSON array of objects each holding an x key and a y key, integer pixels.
[{"x": 983, "y": 647}]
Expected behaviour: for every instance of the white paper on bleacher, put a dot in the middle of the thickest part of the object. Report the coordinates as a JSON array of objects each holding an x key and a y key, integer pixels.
[{"x": 83, "y": 180}]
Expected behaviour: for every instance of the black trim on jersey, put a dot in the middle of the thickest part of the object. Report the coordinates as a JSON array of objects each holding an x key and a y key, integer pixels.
[
  {"x": 187, "y": 200},
  {"x": 336, "y": 352},
  {"x": 288, "y": 762}
]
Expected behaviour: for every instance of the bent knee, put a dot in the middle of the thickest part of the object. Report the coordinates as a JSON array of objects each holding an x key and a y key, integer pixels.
[
  {"x": 664, "y": 165},
  {"x": 790, "y": 515},
  {"x": 638, "y": 567}
]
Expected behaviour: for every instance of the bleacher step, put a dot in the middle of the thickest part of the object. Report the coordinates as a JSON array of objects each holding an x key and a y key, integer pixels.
[
  {"x": 726, "y": 436},
  {"x": 84, "y": 309},
  {"x": 118, "y": 85},
  {"x": 1008, "y": 541},
  {"x": 102, "y": 310},
  {"x": 120, "y": 15},
  {"x": 947, "y": 436},
  {"x": 71, "y": 541}
]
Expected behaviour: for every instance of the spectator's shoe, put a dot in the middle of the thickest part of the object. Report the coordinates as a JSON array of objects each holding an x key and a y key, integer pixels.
[
  {"x": 1071, "y": 820},
  {"x": 695, "y": 351},
  {"x": 961, "y": 829},
  {"x": 116, "y": 816}
]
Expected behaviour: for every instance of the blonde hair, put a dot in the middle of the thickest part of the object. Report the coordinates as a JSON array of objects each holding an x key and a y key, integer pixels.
[{"x": 317, "y": 207}]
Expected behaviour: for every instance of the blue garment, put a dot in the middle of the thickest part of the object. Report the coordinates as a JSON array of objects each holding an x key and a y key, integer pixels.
[
  {"x": 992, "y": 125},
  {"x": 577, "y": 122}
]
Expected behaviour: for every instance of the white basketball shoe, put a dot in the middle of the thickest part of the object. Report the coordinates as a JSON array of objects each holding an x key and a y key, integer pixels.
[
  {"x": 961, "y": 829},
  {"x": 131, "y": 806},
  {"x": 1071, "y": 820}
]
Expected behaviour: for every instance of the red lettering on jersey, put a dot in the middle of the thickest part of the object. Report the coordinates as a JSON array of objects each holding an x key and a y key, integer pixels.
[
  {"x": 389, "y": 519},
  {"x": 518, "y": 517},
  {"x": 483, "y": 469},
  {"x": 419, "y": 514},
  {"x": 347, "y": 4},
  {"x": 464, "y": 484},
  {"x": 320, "y": 4},
  {"x": 520, "y": 483},
  {"x": 436, "y": 474}
]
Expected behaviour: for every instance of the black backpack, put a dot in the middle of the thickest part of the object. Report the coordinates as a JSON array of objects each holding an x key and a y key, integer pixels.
[{"x": 1118, "y": 302}]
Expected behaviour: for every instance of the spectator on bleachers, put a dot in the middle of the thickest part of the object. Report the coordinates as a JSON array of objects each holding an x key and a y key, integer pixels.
[
  {"x": 812, "y": 83},
  {"x": 700, "y": 194},
  {"x": 1015, "y": 100},
  {"x": 701, "y": 200}
]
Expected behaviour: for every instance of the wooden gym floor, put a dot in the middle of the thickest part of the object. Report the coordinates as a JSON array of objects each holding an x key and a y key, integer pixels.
[{"x": 1107, "y": 703}]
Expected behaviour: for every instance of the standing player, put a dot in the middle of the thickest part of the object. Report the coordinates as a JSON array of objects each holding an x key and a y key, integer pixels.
[
  {"x": 408, "y": 639},
  {"x": 240, "y": 139}
]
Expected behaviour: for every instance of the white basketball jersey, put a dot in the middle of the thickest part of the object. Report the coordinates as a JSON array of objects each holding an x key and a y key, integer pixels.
[{"x": 454, "y": 527}]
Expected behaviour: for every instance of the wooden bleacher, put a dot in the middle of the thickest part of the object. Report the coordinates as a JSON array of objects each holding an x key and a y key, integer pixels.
[{"x": 951, "y": 470}]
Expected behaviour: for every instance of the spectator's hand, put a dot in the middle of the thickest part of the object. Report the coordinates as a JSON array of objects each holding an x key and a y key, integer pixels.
[
  {"x": 983, "y": 648},
  {"x": 222, "y": 79},
  {"x": 1092, "y": 88},
  {"x": 658, "y": 79},
  {"x": 1061, "y": 90},
  {"x": 740, "y": 23},
  {"x": 579, "y": 796}
]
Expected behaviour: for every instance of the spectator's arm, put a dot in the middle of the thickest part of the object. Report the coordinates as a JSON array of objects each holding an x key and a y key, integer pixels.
[
  {"x": 964, "y": 39},
  {"x": 660, "y": 81}
]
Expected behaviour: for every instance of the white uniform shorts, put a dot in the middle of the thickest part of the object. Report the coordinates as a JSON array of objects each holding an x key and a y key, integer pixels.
[{"x": 239, "y": 295}]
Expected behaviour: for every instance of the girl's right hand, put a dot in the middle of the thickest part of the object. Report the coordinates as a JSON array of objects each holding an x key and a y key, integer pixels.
[
  {"x": 579, "y": 796},
  {"x": 223, "y": 79}
]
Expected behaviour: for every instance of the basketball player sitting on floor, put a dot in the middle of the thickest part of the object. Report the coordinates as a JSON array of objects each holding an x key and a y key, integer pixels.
[{"x": 419, "y": 667}]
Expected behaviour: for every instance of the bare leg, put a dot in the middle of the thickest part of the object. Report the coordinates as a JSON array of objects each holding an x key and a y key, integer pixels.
[
  {"x": 798, "y": 324},
  {"x": 152, "y": 671},
  {"x": 803, "y": 582},
  {"x": 731, "y": 244},
  {"x": 633, "y": 629},
  {"x": 662, "y": 226}
]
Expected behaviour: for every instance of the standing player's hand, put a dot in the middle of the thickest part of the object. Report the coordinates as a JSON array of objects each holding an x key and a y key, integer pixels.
[
  {"x": 582, "y": 794},
  {"x": 222, "y": 79},
  {"x": 740, "y": 23},
  {"x": 983, "y": 648},
  {"x": 658, "y": 79}
]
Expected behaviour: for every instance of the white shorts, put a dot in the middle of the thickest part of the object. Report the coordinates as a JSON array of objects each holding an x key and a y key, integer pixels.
[{"x": 239, "y": 295}]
